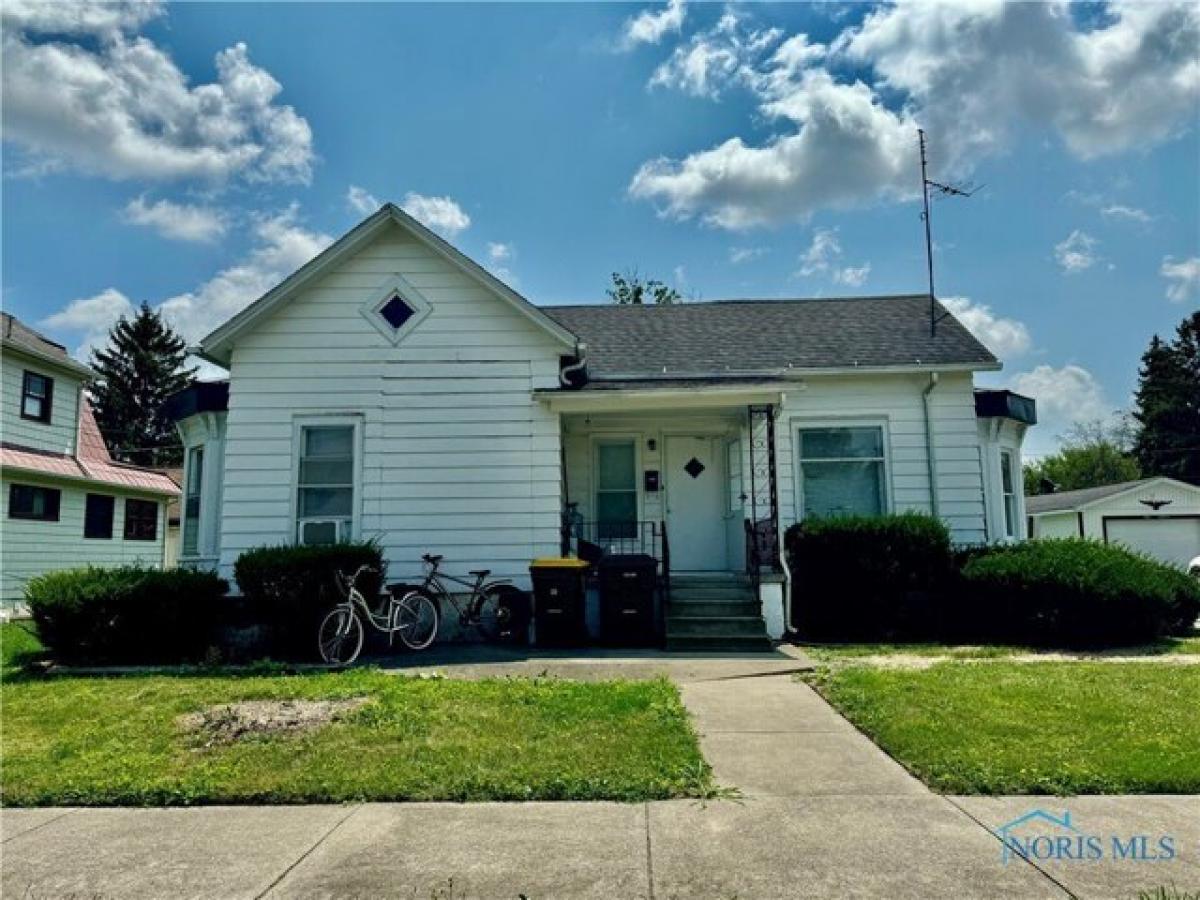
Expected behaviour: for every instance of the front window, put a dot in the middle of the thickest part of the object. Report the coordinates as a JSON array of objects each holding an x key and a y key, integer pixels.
[
  {"x": 98, "y": 516},
  {"x": 325, "y": 500},
  {"x": 191, "y": 501},
  {"x": 616, "y": 490},
  {"x": 842, "y": 471},
  {"x": 28, "y": 502},
  {"x": 141, "y": 520},
  {"x": 37, "y": 393},
  {"x": 1007, "y": 482}
]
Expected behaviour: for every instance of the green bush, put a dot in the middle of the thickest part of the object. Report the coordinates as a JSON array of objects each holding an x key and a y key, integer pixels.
[
  {"x": 1074, "y": 593},
  {"x": 866, "y": 578},
  {"x": 130, "y": 614},
  {"x": 290, "y": 588}
]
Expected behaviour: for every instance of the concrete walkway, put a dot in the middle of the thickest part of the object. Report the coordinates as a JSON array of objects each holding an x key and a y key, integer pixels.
[{"x": 822, "y": 813}]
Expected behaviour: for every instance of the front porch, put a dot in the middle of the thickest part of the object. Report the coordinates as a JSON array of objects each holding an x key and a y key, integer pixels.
[{"x": 689, "y": 480}]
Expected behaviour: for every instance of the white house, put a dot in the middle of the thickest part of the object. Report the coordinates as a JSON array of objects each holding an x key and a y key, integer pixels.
[
  {"x": 393, "y": 388},
  {"x": 1156, "y": 516},
  {"x": 64, "y": 502}
]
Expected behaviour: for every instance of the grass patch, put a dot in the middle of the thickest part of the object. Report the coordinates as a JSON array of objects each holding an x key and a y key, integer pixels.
[
  {"x": 94, "y": 741},
  {"x": 19, "y": 645},
  {"x": 1014, "y": 728},
  {"x": 848, "y": 652}
]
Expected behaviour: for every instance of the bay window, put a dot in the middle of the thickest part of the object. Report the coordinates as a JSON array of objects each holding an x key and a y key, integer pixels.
[
  {"x": 1009, "y": 492},
  {"x": 191, "y": 500}
]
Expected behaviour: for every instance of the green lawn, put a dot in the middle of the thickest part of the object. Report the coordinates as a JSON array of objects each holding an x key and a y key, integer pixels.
[
  {"x": 18, "y": 645},
  {"x": 836, "y": 652},
  {"x": 1010, "y": 728},
  {"x": 118, "y": 741}
]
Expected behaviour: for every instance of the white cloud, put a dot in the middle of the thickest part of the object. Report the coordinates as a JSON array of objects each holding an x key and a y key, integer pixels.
[
  {"x": 498, "y": 252},
  {"x": 852, "y": 276},
  {"x": 1129, "y": 213},
  {"x": 1183, "y": 278},
  {"x": 82, "y": 89},
  {"x": 362, "y": 201},
  {"x": 824, "y": 248},
  {"x": 739, "y": 255},
  {"x": 1004, "y": 337},
  {"x": 973, "y": 74},
  {"x": 442, "y": 214},
  {"x": 1076, "y": 252},
  {"x": 713, "y": 59},
  {"x": 651, "y": 26},
  {"x": 180, "y": 221},
  {"x": 1064, "y": 396},
  {"x": 92, "y": 317}
]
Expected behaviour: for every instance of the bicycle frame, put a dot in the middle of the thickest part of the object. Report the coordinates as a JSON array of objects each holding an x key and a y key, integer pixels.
[
  {"x": 468, "y": 614},
  {"x": 383, "y": 621}
]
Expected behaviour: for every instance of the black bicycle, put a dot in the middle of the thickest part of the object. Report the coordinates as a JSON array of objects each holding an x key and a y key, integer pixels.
[{"x": 497, "y": 610}]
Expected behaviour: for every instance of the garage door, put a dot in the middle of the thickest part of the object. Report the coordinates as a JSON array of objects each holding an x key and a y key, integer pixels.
[{"x": 1176, "y": 541}]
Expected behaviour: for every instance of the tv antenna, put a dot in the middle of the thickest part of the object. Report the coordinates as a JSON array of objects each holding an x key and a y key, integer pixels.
[{"x": 940, "y": 190}]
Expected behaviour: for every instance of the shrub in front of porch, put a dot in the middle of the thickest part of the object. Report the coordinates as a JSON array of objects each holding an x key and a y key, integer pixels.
[
  {"x": 130, "y": 614},
  {"x": 869, "y": 578},
  {"x": 1075, "y": 592},
  {"x": 289, "y": 587}
]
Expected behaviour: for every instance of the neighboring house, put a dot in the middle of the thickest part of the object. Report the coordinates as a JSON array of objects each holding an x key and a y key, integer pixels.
[
  {"x": 65, "y": 503},
  {"x": 1156, "y": 516},
  {"x": 393, "y": 388}
]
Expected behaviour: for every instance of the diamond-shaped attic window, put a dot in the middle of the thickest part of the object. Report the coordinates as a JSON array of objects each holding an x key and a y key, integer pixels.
[
  {"x": 694, "y": 467},
  {"x": 396, "y": 312}
]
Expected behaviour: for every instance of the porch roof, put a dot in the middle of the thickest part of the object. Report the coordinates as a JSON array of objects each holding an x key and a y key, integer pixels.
[{"x": 727, "y": 339}]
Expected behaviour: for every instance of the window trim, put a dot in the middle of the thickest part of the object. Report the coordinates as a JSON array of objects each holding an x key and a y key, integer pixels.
[
  {"x": 413, "y": 299},
  {"x": 188, "y": 474},
  {"x": 800, "y": 423},
  {"x": 112, "y": 516},
  {"x": 331, "y": 420},
  {"x": 1010, "y": 528},
  {"x": 13, "y": 514},
  {"x": 617, "y": 438},
  {"x": 128, "y": 519},
  {"x": 47, "y": 401}
]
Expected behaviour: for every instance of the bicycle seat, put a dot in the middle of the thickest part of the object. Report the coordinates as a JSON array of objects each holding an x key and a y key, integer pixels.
[
  {"x": 481, "y": 573},
  {"x": 433, "y": 560}
]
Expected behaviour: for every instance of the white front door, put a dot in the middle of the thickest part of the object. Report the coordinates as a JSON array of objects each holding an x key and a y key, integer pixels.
[{"x": 695, "y": 486}]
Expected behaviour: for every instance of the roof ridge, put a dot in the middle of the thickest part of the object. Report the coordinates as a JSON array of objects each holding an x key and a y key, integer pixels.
[{"x": 722, "y": 301}]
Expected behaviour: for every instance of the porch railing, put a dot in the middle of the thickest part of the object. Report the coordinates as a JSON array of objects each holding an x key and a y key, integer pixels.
[
  {"x": 591, "y": 540},
  {"x": 762, "y": 548}
]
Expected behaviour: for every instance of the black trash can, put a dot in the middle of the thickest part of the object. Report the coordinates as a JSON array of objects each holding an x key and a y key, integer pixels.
[
  {"x": 627, "y": 588},
  {"x": 559, "y": 595}
]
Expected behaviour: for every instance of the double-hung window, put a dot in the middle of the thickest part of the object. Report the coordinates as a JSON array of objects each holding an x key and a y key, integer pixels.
[
  {"x": 842, "y": 470},
  {"x": 1007, "y": 484},
  {"x": 325, "y": 484},
  {"x": 191, "y": 501},
  {"x": 141, "y": 520},
  {"x": 25, "y": 501},
  {"x": 37, "y": 394},
  {"x": 616, "y": 489},
  {"x": 98, "y": 516}
]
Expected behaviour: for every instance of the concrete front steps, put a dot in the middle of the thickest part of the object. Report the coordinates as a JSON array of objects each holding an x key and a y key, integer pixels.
[{"x": 715, "y": 612}]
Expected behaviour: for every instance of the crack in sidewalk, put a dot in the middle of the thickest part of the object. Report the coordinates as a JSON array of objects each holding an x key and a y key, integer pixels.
[{"x": 303, "y": 856}]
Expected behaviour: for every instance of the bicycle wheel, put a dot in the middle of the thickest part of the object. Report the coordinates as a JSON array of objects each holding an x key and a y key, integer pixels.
[
  {"x": 500, "y": 617},
  {"x": 415, "y": 619},
  {"x": 340, "y": 637}
]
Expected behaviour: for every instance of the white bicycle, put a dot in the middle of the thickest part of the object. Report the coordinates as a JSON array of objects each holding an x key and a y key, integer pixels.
[{"x": 413, "y": 618}]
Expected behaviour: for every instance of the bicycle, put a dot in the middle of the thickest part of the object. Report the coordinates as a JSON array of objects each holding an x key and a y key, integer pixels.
[
  {"x": 412, "y": 617},
  {"x": 498, "y": 610}
]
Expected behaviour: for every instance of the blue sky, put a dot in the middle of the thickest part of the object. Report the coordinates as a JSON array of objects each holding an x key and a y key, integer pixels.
[{"x": 191, "y": 155}]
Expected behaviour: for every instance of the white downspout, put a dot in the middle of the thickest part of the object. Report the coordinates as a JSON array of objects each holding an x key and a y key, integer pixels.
[
  {"x": 564, "y": 375},
  {"x": 931, "y": 458}
]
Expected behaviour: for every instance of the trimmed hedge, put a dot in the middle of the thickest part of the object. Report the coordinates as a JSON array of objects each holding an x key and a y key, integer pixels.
[
  {"x": 869, "y": 578},
  {"x": 290, "y": 587},
  {"x": 130, "y": 614},
  {"x": 1074, "y": 593}
]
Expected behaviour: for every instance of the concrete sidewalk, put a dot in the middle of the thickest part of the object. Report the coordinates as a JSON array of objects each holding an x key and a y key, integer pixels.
[{"x": 822, "y": 813}]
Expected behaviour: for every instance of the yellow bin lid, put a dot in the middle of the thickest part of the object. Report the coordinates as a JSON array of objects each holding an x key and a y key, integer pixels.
[{"x": 558, "y": 562}]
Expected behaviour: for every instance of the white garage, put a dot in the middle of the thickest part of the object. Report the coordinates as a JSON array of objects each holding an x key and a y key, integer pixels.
[{"x": 1156, "y": 516}]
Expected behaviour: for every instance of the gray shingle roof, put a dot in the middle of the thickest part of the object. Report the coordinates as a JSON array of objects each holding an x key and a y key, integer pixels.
[
  {"x": 1068, "y": 500},
  {"x": 719, "y": 338},
  {"x": 21, "y": 334}
]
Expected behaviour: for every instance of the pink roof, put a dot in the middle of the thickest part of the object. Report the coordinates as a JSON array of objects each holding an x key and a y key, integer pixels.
[{"x": 92, "y": 461}]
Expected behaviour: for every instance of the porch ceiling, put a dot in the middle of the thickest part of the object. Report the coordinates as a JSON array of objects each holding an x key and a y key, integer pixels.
[{"x": 662, "y": 398}]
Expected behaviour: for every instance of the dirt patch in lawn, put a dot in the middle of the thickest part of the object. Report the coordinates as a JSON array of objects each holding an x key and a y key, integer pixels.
[{"x": 231, "y": 722}]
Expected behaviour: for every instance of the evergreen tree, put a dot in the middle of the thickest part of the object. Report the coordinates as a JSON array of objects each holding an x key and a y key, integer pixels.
[
  {"x": 1167, "y": 405},
  {"x": 142, "y": 365}
]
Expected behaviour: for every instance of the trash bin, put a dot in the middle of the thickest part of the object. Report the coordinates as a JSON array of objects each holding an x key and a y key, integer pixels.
[
  {"x": 559, "y": 591},
  {"x": 627, "y": 586}
]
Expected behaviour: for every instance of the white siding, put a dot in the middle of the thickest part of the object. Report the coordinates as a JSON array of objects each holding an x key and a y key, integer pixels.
[
  {"x": 1056, "y": 525},
  {"x": 31, "y": 547},
  {"x": 1185, "y": 501},
  {"x": 57, "y": 436},
  {"x": 895, "y": 400},
  {"x": 456, "y": 457}
]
